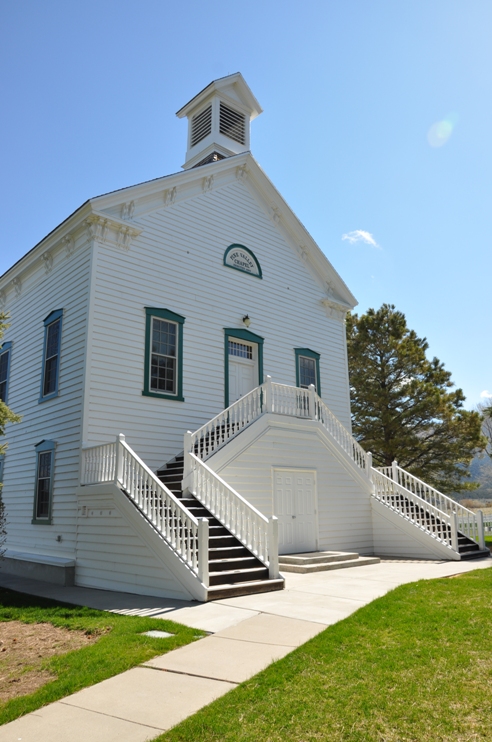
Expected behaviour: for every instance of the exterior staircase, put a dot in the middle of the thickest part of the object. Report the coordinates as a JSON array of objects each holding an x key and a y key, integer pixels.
[
  {"x": 467, "y": 547},
  {"x": 233, "y": 569}
]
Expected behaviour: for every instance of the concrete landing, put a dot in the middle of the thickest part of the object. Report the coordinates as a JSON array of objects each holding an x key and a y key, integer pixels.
[
  {"x": 323, "y": 561},
  {"x": 250, "y": 632}
]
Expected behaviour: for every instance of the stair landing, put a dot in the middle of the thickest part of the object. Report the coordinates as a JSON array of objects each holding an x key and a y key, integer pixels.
[{"x": 322, "y": 561}]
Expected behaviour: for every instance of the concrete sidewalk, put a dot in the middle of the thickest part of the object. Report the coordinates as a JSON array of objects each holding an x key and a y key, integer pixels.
[{"x": 249, "y": 633}]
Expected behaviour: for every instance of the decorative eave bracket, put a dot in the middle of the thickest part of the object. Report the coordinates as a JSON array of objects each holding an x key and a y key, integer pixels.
[
  {"x": 110, "y": 231},
  {"x": 335, "y": 309}
]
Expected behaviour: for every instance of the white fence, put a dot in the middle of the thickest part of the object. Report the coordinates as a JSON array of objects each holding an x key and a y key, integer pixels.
[
  {"x": 255, "y": 531},
  {"x": 427, "y": 516},
  {"x": 185, "y": 534},
  {"x": 469, "y": 523}
]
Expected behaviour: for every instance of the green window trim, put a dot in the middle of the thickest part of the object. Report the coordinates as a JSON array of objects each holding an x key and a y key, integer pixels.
[
  {"x": 5, "y": 356},
  {"x": 53, "y": 317},
  {"x": 44, "y": 447},
  {"x": 165, "y": 314},
  {"x": 308, "y": 353},
  {"x": 250, "y": 337}
]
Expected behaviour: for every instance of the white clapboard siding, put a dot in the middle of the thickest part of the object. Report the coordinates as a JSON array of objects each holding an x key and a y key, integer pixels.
[
  {"x": 177, "y": 263},
  {"x": 65, "y": 287},
  {"x": 118, "y": 550},
  {"x": 344, "y": 508}
]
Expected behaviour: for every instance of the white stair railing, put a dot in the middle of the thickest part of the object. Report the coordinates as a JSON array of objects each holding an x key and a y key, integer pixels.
[
  {"x": 469, "y": 523},
  {"x": 279, "y": 399},
  {"x": 442, "y": 525},
  {"x": 227, "y": 424},
  {"x": 119, "y": 464},
  {"x": 254, "y": 530},
  {"x": 345, "y": 440}
]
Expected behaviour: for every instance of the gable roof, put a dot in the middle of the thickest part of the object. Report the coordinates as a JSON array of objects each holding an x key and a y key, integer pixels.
[{"x": 148, "y": 196}]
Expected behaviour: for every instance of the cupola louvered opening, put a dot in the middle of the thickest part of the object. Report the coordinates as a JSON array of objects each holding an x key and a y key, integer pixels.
[
  {"x": 232, "y": 124},
  {"x": 201, "y": 126}
]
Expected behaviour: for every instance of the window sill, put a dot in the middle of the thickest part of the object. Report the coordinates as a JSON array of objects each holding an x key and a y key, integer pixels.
[
  {"x": 175, "y": 398},
  {"x": 48, "y": 397},
  {"x": 41, "y": 522}
]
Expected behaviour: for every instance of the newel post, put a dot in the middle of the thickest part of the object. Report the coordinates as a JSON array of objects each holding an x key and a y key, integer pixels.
[
  {"x": 369, "y": 465},
  {"x": 312, "y": 402},
  {"x": 188, "y": 445},
  {"x": 203, "y": 551},
  {"x": 268, "y": 394},
  {"x": 394, "y": 471},
  {"x": 454, "y": 532},
  {"x": 118, "y": 469},
  {"x": 481, "y": 535},
  {"x": 273, "y": 569}
]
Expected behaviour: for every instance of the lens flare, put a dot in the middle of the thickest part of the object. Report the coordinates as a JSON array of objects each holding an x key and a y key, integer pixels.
[{"x": 440, "y": 132}]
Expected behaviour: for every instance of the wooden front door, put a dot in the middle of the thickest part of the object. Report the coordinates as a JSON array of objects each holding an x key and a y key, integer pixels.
[
  {"x": 243, "y": 369},
  {"x": 295, "y": 508}
]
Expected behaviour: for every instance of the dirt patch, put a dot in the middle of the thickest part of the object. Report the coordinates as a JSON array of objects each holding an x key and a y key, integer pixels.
[{"x": 23, "y": 649}]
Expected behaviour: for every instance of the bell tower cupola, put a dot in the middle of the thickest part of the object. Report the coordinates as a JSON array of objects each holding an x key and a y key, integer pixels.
[{"x": 219, "y": 120}]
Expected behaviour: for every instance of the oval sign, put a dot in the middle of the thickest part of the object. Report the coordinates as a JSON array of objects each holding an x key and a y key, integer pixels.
[{"x": 242, "y": 259}]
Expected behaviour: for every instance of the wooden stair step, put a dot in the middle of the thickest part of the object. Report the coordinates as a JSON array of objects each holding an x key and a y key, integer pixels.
[{"x": 220, "y": 592}]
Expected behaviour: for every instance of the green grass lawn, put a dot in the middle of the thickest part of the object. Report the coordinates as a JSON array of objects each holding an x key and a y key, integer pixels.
[
  {"x": 413, "y": 666},
  {"x": 488, "y": 540},
  {"x": 117, "y": 646}
]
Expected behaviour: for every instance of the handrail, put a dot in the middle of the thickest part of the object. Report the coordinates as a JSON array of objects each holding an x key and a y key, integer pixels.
[
  {"x": 254, "y": 530},
  {"x": 468, "y": 521},
  {"x": 428, "y": 517},
  {"x": 280, "y": 399},
  {"x": 119, "y": 464},
  {"x": 343, "y": 437},
  {"x": 227, "y": 424}
]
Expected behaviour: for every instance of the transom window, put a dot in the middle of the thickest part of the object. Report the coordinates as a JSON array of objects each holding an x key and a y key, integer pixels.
[
  {"x": 164, "y": 356},
  {"x": 240, "y": 350}
]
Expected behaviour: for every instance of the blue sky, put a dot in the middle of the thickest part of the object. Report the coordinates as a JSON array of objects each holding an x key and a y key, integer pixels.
[{"x": 377, "y": 119}]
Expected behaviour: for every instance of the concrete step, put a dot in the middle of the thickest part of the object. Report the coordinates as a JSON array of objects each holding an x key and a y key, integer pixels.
[
  {"x": 326, "y": 566},
  {"x": 315, "y": 557}
]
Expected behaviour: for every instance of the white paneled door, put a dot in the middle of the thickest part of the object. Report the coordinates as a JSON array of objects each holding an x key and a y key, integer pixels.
[
  {"x": 295, "y": 508},
  {"x": 243, "y": 369}
]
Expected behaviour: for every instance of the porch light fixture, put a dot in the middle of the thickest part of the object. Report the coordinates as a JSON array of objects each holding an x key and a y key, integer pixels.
[{"x": 246, "y": 320}]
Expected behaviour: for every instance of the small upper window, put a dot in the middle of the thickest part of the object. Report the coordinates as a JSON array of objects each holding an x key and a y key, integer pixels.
[
  {"x": 51, "y": 355},
  {"x": 307, "y": 372},
  {"x": 307, "y": 368},
  {"x": 5, "y": 351},
  {"x": 164, "y": 354}
]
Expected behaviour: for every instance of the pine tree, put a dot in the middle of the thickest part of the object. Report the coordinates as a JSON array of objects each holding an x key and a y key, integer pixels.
[
  {"x": 6, "y": 416},
  {"x": 404, "y": 406}
]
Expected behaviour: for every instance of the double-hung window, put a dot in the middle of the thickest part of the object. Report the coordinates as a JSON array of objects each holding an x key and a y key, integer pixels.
[
  {"x": 5, "y": 351},
  {"x": 163, "y": 375},
  {"x": 43, "y": 493},
  {"x": 51, "y": 355},
  {"x": 307, "y": 368}
]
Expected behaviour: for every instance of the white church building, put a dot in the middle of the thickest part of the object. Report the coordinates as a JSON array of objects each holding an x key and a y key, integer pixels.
[{"x": 177, "y": 352}]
